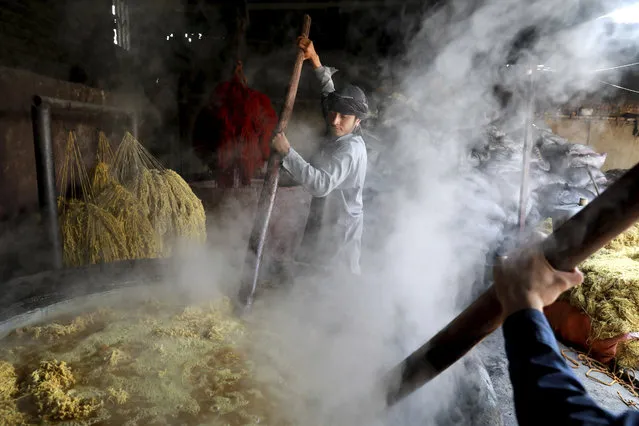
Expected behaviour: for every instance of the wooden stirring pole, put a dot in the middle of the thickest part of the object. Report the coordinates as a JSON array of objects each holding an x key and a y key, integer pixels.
[
  {"x": 267, "y": 197},
  {"x": 603, "y": 219}
]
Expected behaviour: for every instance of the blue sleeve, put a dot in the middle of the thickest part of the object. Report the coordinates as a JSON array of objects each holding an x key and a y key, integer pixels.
[{"x": 545, "y": 389}]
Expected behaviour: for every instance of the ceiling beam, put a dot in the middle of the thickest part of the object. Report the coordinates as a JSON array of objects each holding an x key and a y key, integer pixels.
[{"x": 352, "y": 5}]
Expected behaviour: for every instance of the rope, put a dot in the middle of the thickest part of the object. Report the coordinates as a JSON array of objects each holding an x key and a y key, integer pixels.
[
  {"x": 550, "y": 70},
  {"x": 616, "y": 68},
  {"x": 618, "y": 87},
  {"x": 615, "y": 375}
]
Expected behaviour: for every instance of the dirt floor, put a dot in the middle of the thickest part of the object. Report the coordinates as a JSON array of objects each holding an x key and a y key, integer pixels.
[{"x": 494, "y": 357}]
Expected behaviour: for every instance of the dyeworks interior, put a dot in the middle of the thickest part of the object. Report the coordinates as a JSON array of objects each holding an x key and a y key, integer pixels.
[{"x": 344, "y": 212}]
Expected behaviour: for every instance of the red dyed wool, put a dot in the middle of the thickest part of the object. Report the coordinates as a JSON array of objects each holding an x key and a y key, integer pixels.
[{"x": 237, "y": 127}]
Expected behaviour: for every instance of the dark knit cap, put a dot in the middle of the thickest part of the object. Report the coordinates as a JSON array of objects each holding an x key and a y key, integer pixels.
[{"x": 350, "y": 100}]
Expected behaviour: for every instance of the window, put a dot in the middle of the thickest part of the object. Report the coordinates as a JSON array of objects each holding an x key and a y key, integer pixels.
[{"x": 121, "y": 33}]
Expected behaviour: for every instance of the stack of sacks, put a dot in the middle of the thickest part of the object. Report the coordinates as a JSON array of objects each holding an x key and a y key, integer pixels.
[
  {"x": 574, "y": 172},
  {"x": 499, "y": 159},
  {"x": 560, "y": 172}
]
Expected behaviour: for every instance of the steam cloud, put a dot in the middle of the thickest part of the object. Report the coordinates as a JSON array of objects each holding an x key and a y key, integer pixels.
[{"x": 334, "y": 337}]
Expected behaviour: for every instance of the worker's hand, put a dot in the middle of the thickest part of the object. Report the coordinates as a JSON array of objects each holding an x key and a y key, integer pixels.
[
  {"x": 308, "y": 48},
  {"x": 528, "y": 281},
  {"x": 280, "y": 144}
]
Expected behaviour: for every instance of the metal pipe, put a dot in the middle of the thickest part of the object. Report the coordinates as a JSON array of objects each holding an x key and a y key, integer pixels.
[
  {"x": 592, "y": 179},
  {"x": 352, "y": 5},
  {"x": 45, "y": 162},
  {"x": 45, "y": 173},
  {"x": 83, "y": 106},
  {"x": 528, "y": 143},
  {"x": 93, "y": 108}
]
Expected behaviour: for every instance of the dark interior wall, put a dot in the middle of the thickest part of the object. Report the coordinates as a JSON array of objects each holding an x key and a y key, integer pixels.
[
  {"x": 44, "y": 44},
  {"x": 72, "y": 41},
  {"x": 50, "y": 37},
  {"x": 349, "y": 39},
  {"x": 29, "y": 33},
  {"x": 65, "y": 49},
  {"x": 18, "y": 183},
  {"x": 86, "y": 36}
]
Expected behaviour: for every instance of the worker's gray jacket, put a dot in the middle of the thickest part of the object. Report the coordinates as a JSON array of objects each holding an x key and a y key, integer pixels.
[{"x": 335, "y": 178}]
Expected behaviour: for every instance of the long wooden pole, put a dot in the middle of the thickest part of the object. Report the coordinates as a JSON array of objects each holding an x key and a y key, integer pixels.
[
  {"x": 603, "y": 219},
  {"x": 267, "y": 197}
]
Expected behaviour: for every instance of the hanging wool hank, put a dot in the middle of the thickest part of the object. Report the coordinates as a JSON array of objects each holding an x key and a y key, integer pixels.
[
  {"x": 233, "y": 133},
  {"x": 102, "y": 171},
  {"x": 90, "y": 234},
  {"x": 142, "y": 242},
  {"x": 173, "y": 210}
]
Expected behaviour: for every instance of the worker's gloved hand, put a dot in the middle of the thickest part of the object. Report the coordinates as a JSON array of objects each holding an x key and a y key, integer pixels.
[
  {"x": 308, "y": 48},
  {"x": 527, "y": 280},
  {"x": 280, "y": 144}
]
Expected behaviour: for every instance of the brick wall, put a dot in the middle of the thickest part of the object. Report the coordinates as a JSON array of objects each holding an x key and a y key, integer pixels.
[{"x": 610, "y": 135}]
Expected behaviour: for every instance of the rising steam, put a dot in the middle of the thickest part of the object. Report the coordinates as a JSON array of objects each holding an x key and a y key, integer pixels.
[{"x": 334, "y": 337}]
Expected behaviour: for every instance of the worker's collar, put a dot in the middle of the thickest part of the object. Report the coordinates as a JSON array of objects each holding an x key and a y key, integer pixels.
[{"x": 331, "y": 138}]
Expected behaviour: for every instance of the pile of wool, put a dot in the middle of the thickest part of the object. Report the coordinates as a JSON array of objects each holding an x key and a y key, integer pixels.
[
  {"x": 629, "y": 240},
  {"x": 609, "y": 294},
  {"x": 155, "y": 362},
  {"x": 50, "y": 386},
  {"x": 9, "y": 413}
]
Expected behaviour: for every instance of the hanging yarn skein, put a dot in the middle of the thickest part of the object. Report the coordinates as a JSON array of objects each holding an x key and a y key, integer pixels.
[{"x": 232, "y": 134}]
